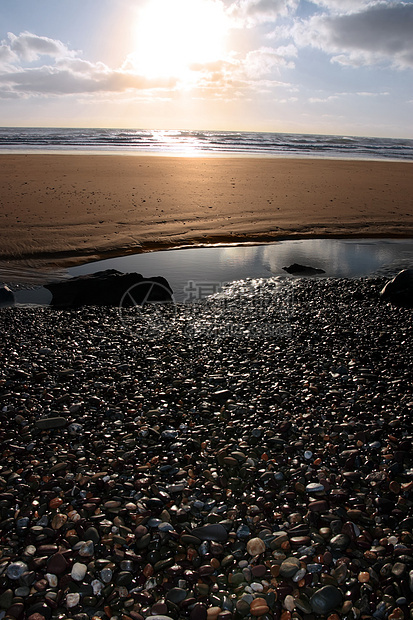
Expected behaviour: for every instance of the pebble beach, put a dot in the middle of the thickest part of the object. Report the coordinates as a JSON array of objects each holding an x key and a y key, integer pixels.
[{"x": 229, "y": 459}]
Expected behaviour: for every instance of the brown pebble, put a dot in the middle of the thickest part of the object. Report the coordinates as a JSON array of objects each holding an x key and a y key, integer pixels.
[
  {"x": 259, "y": 607},
  {"x": 363, "y": 577},
  {"x": 55, "y": 502},
  {"x": 394, "y": 486},
  {"x": 275, "y": 570}
]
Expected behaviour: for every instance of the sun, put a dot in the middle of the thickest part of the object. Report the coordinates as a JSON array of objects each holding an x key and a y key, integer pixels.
[{"x": 174, "y": 35}]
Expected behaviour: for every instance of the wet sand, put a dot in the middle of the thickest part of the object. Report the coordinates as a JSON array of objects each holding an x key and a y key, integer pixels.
[{"x": 60, "y": 210}]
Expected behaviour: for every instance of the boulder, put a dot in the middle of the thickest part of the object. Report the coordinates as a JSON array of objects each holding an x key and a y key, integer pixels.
[
  {"x": 6, "y": 296},
  {"x": 109, "y": 288},
  {"x": 399, "y": 291},
  {"x": 301, "y": 270}
]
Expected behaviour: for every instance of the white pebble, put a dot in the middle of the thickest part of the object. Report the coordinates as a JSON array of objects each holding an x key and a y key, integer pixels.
[
  {"x": 97, "y": 587},
  {"x": 299, "y": 575},
  {"x": 78, "y": 571},
  {"x": 289, "y": 603},
  {"x": 314, "y": 487},
  {"x": 72, "y": 599},
  {"x": 52, "y": 580}
]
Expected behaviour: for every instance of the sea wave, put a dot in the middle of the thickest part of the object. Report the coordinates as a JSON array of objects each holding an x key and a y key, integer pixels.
[{"x": 198, "y": 142}]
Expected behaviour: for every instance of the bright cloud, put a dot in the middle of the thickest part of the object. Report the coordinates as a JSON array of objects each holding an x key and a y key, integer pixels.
[
  {"x": 69, "y": 74},
  {"x": 249, "y": 13},
  {"x": 261, "y": 62},
  {"x": 343, "y": 6},
  {"x": 379, "y": 34}
]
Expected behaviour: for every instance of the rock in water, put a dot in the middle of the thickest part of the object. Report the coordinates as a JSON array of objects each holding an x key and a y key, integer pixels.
[
  {"x": 109, "y": 288},
  {"x": 399, "y": 291},
  {"x": 6, "y": 297},
  {"x": 302, "y": 270}
]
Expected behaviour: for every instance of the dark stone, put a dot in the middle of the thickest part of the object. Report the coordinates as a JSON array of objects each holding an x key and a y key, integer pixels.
[
  {"x": 216, "y": 532},
  {"x": 6, "y": 296},
  {"x": 176, "y": 595},
  {"x": 198, "y": 612},
  {"x": 57, "y": 564},
  {"x": 289, "y": 567},
  {"x": 109, "y": 288},
  {"x": 302, "y": 270},
  {"x": 341, "y": 541},
  {"x": 399, "y": 291},
  {"x": 326, "y": 599},
  {"x": 47, "y": 423},
  {"x": 40, "y": 608}
]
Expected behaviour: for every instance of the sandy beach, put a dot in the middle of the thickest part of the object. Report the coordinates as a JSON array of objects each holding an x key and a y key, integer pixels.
[{"x": 67, "y": 209}]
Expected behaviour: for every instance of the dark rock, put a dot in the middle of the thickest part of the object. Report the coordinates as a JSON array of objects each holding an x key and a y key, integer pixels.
[
  {"x": 176, "y": 595},
  {"x": 57, "y": 564},
  {"x": 216, "y": 532},
  {"x": 47, "y": 423},
  {"x": 341, "y": 541},
  {"x": 399, "y": 291},
  {"x": 6, "y": 599},
  {"x": 289, "y": 567},
  {"x": 109, "y": 288},
  {"x": 326, "y": 599},
  {"x": 302, "y": 270},
  {"x": 6, "y": 296}
]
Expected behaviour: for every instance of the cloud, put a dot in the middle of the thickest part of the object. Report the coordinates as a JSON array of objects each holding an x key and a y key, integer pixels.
[
  {"x": 66, "y": 74},
  {"x": 343, "y": 6},
  {"x": 30, "y": 47},
  {"x": 63, "y": 72},
  {"x": 340, "y": 96},
  {"x": 262, "y": 61},
  {"x": 379, "y": 34},
  {"x": 238, "y": 76},
  {"x": 63, "y": 80},
  {"x": 249, "y": 13},
  {"x": 7, "y": 56}
]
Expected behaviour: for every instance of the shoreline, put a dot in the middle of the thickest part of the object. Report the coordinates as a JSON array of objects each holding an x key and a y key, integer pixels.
[
  {"x": 198, "y": 155},
  {"x": 73, "y": 209}
]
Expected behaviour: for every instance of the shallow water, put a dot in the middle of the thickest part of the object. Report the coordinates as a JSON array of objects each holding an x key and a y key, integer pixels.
[{"x": 194, "y": 273}]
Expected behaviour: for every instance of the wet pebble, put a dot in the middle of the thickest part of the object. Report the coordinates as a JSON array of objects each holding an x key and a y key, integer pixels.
[{"x": 227, "y": 475}]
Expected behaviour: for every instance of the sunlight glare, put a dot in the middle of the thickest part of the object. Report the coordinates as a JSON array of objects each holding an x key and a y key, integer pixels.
[{"x": 172, "y": 36}]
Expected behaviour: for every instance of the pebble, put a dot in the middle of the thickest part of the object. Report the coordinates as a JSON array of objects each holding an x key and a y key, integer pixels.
[
  {"x": 326, "y": 599},
  {"x": 78, "y": 571},
  {"x": 72, "y": 599},
  {"x": 256, "y": 546},
  {"x": 209, "y": 475},
  {"x": 314, "y": 487},
  {"x": 259, "y": 607},
  {"x": 217, "y": 533},
  {"x": 289, "y": 567},
  {"x": 16, "y": 570},
  {"x": 49, "y": 423}
]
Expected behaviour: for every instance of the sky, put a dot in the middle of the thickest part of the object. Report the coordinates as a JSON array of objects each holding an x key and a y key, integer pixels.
[{"x": 341, "y": 67}]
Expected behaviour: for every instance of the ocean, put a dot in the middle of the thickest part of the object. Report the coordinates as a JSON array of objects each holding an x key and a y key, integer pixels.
[{"x": 202, "y": 143}]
